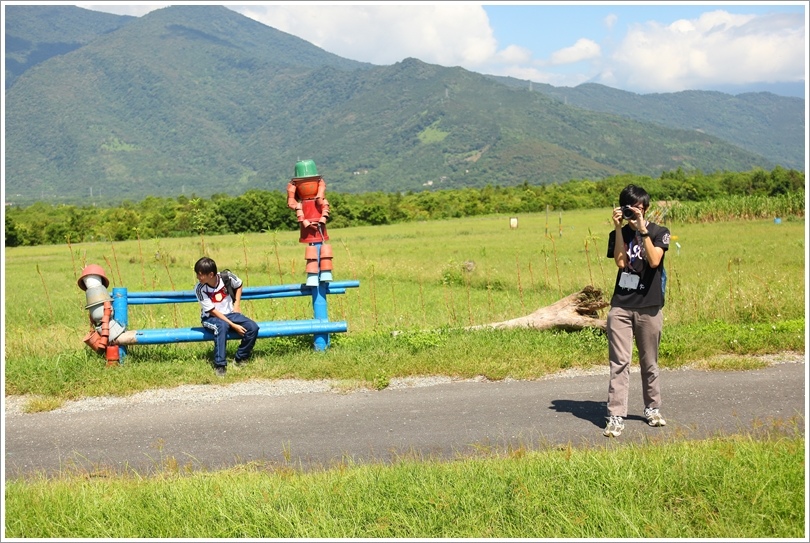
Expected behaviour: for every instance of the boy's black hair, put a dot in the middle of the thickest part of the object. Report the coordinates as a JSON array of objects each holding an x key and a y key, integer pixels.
[
  {"x": 632, "y": 195},
  {"x": 205, "y": 266}
]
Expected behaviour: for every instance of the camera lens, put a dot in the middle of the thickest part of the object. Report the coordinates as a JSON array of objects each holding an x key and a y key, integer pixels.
[{"x": 628, "y": 212}]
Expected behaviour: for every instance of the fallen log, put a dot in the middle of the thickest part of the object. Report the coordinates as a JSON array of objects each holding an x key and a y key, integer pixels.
[{"x": 574, "y": 312}]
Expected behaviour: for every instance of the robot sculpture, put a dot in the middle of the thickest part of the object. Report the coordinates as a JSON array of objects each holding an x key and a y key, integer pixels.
[
  {"x": 104, "y": 328},
  {"x": 305, "y": 195}
]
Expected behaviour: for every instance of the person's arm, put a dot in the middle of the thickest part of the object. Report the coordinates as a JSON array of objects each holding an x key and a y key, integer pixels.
[
  {"x": 619, "y": 254},
  {"x": 237, "y": 327},
  {"x": 295, "y": 205},
  {"x": 652, "y": 253},
  {"x": 237, "y": 298},
  {"x": 205, "y": 304}
]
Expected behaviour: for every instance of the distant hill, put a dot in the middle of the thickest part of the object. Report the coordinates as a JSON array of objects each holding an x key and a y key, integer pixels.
[
  {"x": 199, "y": 100},
  {"x": 761, "y": 122},
  {"x": 34, "y": 34}
]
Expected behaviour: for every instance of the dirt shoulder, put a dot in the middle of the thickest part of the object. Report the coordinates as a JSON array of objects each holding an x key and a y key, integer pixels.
[{"x": 206, "y": 394}]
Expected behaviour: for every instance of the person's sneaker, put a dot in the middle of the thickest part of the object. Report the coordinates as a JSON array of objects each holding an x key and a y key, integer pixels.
[
  {"x": 240, "y": 363},
  {"x": 220, "y": 371},
  {"x": 615, "y": 426},
  {"x": 653, "y": 416}
]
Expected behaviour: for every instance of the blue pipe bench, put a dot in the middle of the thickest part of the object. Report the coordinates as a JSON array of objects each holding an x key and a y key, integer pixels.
[{"x": 320, "y": 326}]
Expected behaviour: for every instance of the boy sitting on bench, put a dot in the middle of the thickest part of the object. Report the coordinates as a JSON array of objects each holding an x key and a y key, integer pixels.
[{"x": 220, "y": 312}]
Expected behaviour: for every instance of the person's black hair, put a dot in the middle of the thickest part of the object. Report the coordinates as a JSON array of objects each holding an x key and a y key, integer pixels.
[
  {"x": 205, "y": 266},
  {"x": 632, "y": 195}
]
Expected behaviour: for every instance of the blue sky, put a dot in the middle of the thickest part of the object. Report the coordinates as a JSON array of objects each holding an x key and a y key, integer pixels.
[{"x": 640, "y": 47}]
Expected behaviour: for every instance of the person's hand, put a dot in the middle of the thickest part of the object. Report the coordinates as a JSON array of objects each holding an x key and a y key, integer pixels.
[
  {"x": 617, "y": 217},
  {"x": 239, "y": 329},
  {"x": 306, "y": 223},
  {"x": 638, "y": 220}
]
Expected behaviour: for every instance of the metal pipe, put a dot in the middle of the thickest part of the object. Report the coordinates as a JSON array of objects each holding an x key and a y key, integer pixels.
[
  {"x": 266, "y": 329},
  {"x": 134, "y": 300},
  {"x": 321, "y": 340},
  {"x": 248, "y": 293},
  {"x": 121, "y": 312}
]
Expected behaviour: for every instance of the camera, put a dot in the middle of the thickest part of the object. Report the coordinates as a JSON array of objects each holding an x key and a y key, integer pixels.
[{"x": 628, "y": 213}]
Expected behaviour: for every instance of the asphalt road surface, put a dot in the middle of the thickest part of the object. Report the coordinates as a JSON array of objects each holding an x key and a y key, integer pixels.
[{"x": 324, "y": 428}]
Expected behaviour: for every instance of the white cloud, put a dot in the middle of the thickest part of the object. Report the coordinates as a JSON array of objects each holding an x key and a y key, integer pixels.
[
  {"x": 583, "y": 49},
  {"x": 556, "y": 79},
  {"x": 717, "y": 48},
  {"x": 124, "y": 9},
  {"x": 445, "y": 34},
  {"x": 513, "y": 54}
]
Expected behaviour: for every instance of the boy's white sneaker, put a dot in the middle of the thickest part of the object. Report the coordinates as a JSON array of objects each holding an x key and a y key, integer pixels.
[
  {"x": 615, "y": 426},
  {"x": 653, "y": 416}
]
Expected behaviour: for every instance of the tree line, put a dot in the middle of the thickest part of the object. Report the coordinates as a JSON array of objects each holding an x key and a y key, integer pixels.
[{"x": 262, "y": 210}]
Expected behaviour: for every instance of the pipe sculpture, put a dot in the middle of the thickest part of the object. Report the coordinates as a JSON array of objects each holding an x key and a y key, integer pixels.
[
  {"x": 105, "y": 329},
  {"x": 306, "y": 196}
]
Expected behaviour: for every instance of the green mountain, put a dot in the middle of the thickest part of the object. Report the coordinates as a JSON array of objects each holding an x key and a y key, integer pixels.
[
  {"x": 200, "y": 100},
  {"x": 33, "y": 34},
  {"x": 760, "y": 122}
]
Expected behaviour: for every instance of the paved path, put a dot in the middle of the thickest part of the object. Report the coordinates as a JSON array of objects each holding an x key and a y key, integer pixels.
[{"x": 322, "y": 428}]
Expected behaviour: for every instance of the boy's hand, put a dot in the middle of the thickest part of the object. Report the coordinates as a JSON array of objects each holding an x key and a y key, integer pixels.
[
  {"x": 239, "y": 329},
  {"x": 617, "y": 217}
]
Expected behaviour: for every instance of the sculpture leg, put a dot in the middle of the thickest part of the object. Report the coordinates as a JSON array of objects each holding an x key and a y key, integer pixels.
[
  {"x": 326, "y": 263},
  {"x": 311, "y": 254}
]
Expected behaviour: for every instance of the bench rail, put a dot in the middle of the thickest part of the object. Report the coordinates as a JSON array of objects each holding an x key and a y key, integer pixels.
[{"x": 319, "y": 326}]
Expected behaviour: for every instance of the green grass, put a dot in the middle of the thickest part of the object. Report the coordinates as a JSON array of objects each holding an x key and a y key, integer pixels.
[
  {"x": 725, "y": 487},
  {"x": 736, "y": 290}
]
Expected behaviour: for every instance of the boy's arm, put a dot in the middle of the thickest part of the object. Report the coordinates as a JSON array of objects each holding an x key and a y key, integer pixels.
[
  {"x": 619, "y": 254},
  {"x": 238, "y": 328},
  {"x": 206, "y": 305},
  {"x": 237, "y": 298},
  {"x": 654, "y": 253}
]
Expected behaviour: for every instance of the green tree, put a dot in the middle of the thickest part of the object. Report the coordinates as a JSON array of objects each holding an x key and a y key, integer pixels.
[
  {"x": 13, "y": 237},
  {"x": 375, "y": 214}
]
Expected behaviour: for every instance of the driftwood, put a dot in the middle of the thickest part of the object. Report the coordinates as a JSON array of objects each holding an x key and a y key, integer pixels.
[{"x": 574, "y": 312}]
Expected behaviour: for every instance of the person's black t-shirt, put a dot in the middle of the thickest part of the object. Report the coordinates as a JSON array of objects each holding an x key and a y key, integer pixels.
[{"x": 652, "y": 281}]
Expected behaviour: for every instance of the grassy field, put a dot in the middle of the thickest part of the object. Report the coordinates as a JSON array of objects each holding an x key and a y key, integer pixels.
[{"x": 735, "y": 288}]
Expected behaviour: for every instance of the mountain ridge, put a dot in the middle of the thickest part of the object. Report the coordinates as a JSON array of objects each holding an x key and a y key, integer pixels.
[
  {"x": 203, "y": 98},
  {"x": 709, "y": 113}
]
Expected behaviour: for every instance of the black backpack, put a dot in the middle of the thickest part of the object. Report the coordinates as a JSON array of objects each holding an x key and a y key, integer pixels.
[{"x": 227, "y": 278}]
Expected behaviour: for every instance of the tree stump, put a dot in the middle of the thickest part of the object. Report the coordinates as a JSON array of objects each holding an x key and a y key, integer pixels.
[{"x": 574, "y": 312}]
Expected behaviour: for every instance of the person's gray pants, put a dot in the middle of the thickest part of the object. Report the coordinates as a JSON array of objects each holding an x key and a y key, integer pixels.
[{"x": 623, "y": 326}]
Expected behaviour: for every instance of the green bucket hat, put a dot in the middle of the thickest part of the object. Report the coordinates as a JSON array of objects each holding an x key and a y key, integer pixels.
[{"x": 306, "y": 168}]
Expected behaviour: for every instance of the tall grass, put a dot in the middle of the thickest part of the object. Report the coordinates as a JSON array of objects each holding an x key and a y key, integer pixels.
[
  {"x": 734, "y": 287},
  {"x": 739, "y": 207},
  {"x": 726, "y": 487}
]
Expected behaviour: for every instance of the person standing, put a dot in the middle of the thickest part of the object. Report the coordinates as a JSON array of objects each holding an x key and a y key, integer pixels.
[
  {"x": 638, "y": 248},
  {"x": 221, "y": 313}
]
